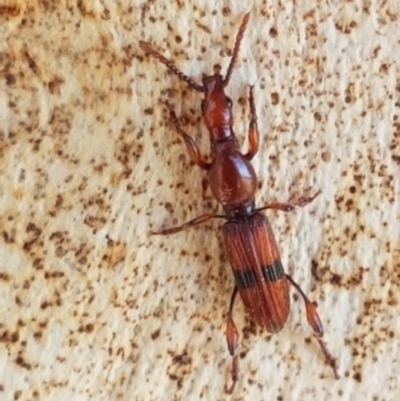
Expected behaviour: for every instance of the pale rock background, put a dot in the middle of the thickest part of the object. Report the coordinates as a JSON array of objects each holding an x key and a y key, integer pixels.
[{"x": 91, "y": 306}]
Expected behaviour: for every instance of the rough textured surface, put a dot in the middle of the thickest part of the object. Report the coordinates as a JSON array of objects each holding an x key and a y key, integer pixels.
[{"x": 91, "y": 306}]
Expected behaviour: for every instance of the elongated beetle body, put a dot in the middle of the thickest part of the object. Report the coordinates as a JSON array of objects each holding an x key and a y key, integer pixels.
[{"x": 251, "y": 247}]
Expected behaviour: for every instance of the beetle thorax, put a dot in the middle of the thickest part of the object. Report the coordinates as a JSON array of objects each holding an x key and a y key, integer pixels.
[{"x": 233, "y": 181}]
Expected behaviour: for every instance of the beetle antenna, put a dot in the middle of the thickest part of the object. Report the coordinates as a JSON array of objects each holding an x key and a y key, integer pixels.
[
  {"x": 146, "y": 47},
  {"x": 239, "y": 37}
]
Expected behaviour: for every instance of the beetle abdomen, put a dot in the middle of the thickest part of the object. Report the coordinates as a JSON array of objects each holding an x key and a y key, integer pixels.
[{"x": 258, "y": 270}]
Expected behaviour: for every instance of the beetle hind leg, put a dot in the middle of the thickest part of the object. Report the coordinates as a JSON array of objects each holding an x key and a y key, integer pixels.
[
  {"x": 330, "y": 359},
  {"x": 315, "y": 323},
  {"x": 232, "y": 339}
]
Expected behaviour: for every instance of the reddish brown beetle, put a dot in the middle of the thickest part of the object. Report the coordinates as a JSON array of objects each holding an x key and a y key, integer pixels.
[{"x": 250, "y": 243}]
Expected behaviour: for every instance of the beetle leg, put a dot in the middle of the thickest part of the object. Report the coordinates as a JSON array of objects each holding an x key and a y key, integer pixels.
[
  {"x": 232, "y": 338},
  {"x": 315, "y": 323},
  {"x": 254, "y": 136},
  {"x": 288, "y": 207},
  {"x": 192, "y": 223},
  {"x": 191, "y": 145}
]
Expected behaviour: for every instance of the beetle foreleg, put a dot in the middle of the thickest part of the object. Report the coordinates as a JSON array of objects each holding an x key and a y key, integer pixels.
[
  {"x": 254, "y": 136},
  {"x": 232, "y": 339},
  {"x": 315, "y": 322},
  {"x": 191, "y": 145}
]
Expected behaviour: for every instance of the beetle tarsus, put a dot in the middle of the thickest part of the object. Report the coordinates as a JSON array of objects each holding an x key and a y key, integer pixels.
[
  {"x": 235, "y": 375},
  {"x": 232, "y": 339},
  {"x": 330, "y": 359}
]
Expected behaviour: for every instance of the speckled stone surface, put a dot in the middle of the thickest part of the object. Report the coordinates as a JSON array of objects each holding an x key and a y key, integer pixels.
[{"x": 91, "y": 306}]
